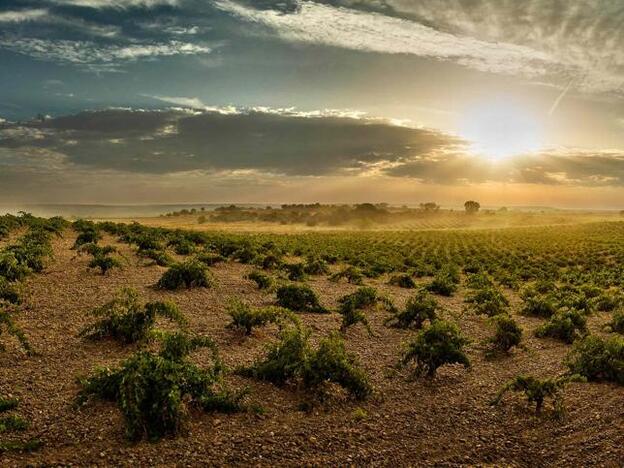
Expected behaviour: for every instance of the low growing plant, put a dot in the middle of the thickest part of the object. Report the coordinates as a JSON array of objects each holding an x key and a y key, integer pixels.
[
  {"x": 299, "y": 299},
  {"x": 155, "y": 390},
  {"x": 189, "y": 274},
  {"x": 598, "y": 359},
  {"x": 262, "y": 281},
  {"x": 246, "y": 318},
  {"x": 420, "y": 308},
  {"x": 566, "y": 325},
  {"x": 439, "y": 344},
  {"x": 129, "y": 320},
  {"x": 537, "y": 390},
  {"x": 402, "y": 281},
  {"x": 507, "y": 333}
]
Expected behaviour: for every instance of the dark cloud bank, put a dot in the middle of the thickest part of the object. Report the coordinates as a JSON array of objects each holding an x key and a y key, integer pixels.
[{"x": 275, "y": 142}]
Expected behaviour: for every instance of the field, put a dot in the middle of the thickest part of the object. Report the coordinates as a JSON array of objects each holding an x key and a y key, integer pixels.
[{"x": 559, "y": 280}]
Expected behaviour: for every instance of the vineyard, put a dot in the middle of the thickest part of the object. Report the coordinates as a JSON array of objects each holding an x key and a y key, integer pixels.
[{"x": 123, "y": 343}]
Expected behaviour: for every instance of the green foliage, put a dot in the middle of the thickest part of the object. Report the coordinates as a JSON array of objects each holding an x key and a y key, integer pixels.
[
  {"x": 155, "y": 390},
  {"x": 11, "y": 268},
  {"x": 444, "y": 282},
  {"x": 262, "y": 281},
  {"x": 402, "y": 281},
  {"x": 353, "y": 306},
  {"x": 190, "y": 274},
  {"x": 331, "y": 363},
  {"x": 420, "y": 308},
  {"x": 507, "y": 333},
  {"x": 104, "y": 263},
  {"x": 439, "y": 344},
  {"x": 13, "y": 423},
  {"x": 296, "y": 271},
  {"x": 598, "y": 359},
  {"x": 566, "y": 325},
  {"x": 352, "y": 274},
  {"x": 246, "y": 318},
  {"x": 9, "y": 292},
  {"x": 89, "y": 235},
  {"x": 7, "y": 324},
  {"x": 487, "y": 301},
  {"x": 160, "y": 257},
  {"x": 617, "y": 324},
  {"x": 538, "y": 306},
  {"x": 537, "y": 390},
  {"x": 291, "y": 359},
  {"x": 127, "y": 319},
  {"x": 209, "y": 259},
  {"x": 315, "y": 266},
  {"x": 299, "y": 299}
]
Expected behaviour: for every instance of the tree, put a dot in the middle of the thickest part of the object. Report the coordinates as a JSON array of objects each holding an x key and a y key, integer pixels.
[
  {"x": 472, "y": 207},
  {"x": 430, "y": 207}
]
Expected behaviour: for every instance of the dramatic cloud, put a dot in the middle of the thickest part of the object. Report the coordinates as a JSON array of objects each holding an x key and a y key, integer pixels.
[{"x": 283, "y": 142}]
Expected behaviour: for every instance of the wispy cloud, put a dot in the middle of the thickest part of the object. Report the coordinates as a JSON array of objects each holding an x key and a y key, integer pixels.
[
  {"x": 575, "y": 39},
  {"x": 374, "y": 32},
  {"x": 99, "y": 57},
  {"x": 117, "y": 4},
  {"x": 20, "y": 16}
]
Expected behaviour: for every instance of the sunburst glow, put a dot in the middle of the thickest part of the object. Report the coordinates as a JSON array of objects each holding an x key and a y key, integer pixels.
[{"x": 499, "y": 130}]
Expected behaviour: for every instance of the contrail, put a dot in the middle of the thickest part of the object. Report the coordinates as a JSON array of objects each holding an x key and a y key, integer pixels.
[{"x": 560, "y": 98}]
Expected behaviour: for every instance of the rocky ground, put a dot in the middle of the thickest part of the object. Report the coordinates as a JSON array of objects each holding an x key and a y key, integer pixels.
[{"x": 446, "y": 421}]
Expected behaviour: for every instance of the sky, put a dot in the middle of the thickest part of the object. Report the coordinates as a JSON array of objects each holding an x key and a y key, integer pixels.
[{"x": 400, "y": 101}]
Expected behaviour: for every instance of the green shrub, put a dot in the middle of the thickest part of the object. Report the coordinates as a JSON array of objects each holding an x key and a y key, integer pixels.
[
  {"x": 12, "y": 423},
  {"x": 352, "y": 274},
  {"x": 566, "y": 325},
  {"x": 507, "y": 333},
  {"x": 262, "y": 281},
  {"x": 487, "y": 301},
  {"x": 209, "y": 259},
  {"x": 608, "y": 301},
  {"x": 537, "y": 390},
  {"x": 617, "y": 324},
  {"x": 439, "y": 344},
  {"x": 418, "y": 310},
  {"x": 315, "y": 266},
  {"x": 299, "y": 299},
  {"x": 331, "y": 363},
  {"x": 598, "y": 359},
  {"x": 442, "y": 284},
  {"x": 154, "y": 390},
  {"x": 160, "y": 257},
  {"x": 292, "y": 359},
  {"x": 246, "y": 318},
  {"x": 105, "y": 264},
  {"x": 190, "y": 274},
  {"x": 95, "y": 250},
  {"x": 538, "y": 306},
  {"x": 9, "y": 292},
  {"x": 127, "y": 319},
  {"x": 402, "y": 281},
  {"x": 89, "y": 236},
  {"x": 11, "y": 268},
  {"x": 296, "y": 271},
  {"x": 352, "y": 307},
  {"x": 8, "y": 325}
]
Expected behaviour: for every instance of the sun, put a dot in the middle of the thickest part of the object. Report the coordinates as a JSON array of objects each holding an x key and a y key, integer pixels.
[{"x": 500, "y": 129}]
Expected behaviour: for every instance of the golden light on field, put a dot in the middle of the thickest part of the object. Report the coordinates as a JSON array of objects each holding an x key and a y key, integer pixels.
[{"x": 500, "y": 129}]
